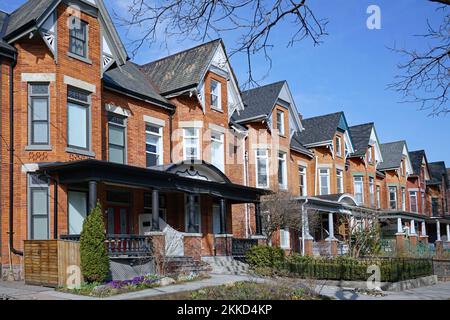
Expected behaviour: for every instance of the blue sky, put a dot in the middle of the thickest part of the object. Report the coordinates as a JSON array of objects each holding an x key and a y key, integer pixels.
[{"x": 349, "y": 72}]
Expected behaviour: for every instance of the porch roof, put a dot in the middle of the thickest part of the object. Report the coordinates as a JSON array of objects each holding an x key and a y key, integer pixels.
[{"x": 126, "y": 175}]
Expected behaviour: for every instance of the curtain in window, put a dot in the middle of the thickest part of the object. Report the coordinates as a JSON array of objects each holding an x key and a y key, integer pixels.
[{"x": 77, "y": 125}]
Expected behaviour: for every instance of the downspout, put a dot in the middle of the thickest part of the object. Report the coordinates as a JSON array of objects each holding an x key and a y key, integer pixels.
[
  {"x": 303, "y": 227},
  {"x": 316, "y": 175},
  {"x": 11, "y": 157},
  {"x": 247, "y": 224},
  {"x": 172, "y": 114}
]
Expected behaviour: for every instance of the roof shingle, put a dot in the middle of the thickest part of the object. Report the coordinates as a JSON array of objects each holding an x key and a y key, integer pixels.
[
  {"x": 360, "y": 135},
  {"x": 320, "y": 129},
  {"x": 437, "y": 171},
  {"x": 392, "y": 154},
  {"x": 416, "y": 160}
]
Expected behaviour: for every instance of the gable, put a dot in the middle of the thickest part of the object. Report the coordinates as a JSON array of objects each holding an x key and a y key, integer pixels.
[{"x": 373, "y": 141}]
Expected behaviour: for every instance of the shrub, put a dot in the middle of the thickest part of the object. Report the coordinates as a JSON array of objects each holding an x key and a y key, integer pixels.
[
  {"x": 93, "y": 253},
  {"x": 265, "y": 256}
]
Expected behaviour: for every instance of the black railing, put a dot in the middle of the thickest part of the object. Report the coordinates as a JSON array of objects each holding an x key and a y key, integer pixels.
[
  {"x": 121, "y": 244},
  {"x": 240, "y": 247}
]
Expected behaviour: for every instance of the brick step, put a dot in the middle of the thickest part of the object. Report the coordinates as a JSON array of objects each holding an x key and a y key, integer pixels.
[{"x": 226, "y": 265}]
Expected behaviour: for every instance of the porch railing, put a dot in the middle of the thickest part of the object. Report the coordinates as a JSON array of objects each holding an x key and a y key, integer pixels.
[
  {"x": 121, "y": 244},
  {"x": 240, "y": 247}
]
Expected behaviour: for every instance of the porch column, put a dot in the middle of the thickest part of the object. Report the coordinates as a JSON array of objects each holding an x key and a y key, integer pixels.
[
  {"x": 223, "y": 221},
  {"x": 413, "y": 227},
  {"x": 438, "y": 230},
  {"x": 448, "y": 232},
  {"x": 399, "y": 225},
  {"x": 92, "y": 195},
  {"x": 330, "y": 226},
  {"x": 400, "y": 236},
  {"x": 424, "y": 229},
  {"x": 307, "y": 239},
  {"x": 155, "y": 210},
  {"x": 191, "y": 224},
  {"x": 258, "y": 219},
  {"x": 413, "y": 234}
]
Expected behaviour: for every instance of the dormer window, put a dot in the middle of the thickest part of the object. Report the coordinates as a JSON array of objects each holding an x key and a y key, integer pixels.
[
  {"x": 280, "y": 122},
  {"x": 370, "y": 155},
  {"x": 338, "y": 146},
  {"x": 78, "y": 37},
  {"x": 216, "y": 99},
  {"x": 402, "y": 168}
]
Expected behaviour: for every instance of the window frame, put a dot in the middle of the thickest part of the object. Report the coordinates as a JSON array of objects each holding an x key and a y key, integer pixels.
[
  {"x": 85, "y": 28},
  {"x": 218, "y": 94},
  {"x": 266, "y": 158},
  {"x": 88, "y": 107},
  {"x": 372, "y": 191},
  {"x": 195, "y": 137},
  {"x": 392, "y": 190},
  {"x": 355, "y": 182},
  {"x": 221, "y": 142},
  {"x": 280, "y": 122},
  {"x": 339, "y": 181},
  {"x": 285, "y": 238},
  {"x": 123, "y": 127},
  {"x": 327, "y": 175},
  {"x": 31, "y": 97},
  {"x": 282, "y": 157},
  {"x": 413, "y": 194},
  {"x": 159, "y": 147},
  {"x": 302, "y": 174},
  {"x": 338, "y": 146},
  {"x": 31, "y": 187},
  {"x": 198, "y": 206},
  {"x": 378, "y": 196}
]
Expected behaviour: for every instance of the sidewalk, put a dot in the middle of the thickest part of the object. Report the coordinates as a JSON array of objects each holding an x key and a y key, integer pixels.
[{"x": 21, "y": 291}]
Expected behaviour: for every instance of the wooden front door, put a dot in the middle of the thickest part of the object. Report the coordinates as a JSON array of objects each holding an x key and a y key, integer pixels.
[{"x": 118, "y": 220}]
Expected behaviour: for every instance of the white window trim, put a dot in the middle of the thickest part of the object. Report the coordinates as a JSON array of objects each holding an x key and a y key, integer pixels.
[
  {"x": 338, "y": 150},
  {"x": 222, "y": 142},
  {"x": 266, "y": 157},
  {"x": 284, "y": 185},
  {"x": 320, "y": 180},
  {"x": 161, "y": 141},
  {"x": 219, "y": 94},
  {"x": 287, "y": 244},
  {"x": 282, "y": 130},
  {"x": 305, "y": 180},
  {"x": 362, "y": 189},
  {"x": 341, "y": 185},
  {"x": 196, "y": 136}
]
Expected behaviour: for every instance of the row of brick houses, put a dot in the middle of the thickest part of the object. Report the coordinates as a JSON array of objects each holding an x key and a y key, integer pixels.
[{"x": 173, "y": 149}]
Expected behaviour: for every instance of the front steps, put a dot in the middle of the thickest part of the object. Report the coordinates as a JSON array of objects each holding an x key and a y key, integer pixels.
[
  {"x": 226, "y": 265},
  {"x": 185, "y": 265}
]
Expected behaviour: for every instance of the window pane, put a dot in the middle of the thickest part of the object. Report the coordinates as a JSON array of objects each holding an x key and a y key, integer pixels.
[
  {"x": 152, "y": 129},
  {"x": 40, "y": 108},
  {"x": 39, "y": 201},
  {"x": 216, "y": 219},
  {"x": 40, "y": 228},
  {"x": 40, "y": 133},
  {"x": 77, "y": 211},
  {"x": 116, "y": 154},
  {"x": 152, "y": 160},
  {"x": 151, "y": 139},
  {"x": 116, "y": 135},
  {"x": 39, "y": 89},
  {"x": 190, "y": 132},
  {"x": 262, "y": 172},
  {"x": 78, "y": 95},
  {"x": 77, "y": 125}
]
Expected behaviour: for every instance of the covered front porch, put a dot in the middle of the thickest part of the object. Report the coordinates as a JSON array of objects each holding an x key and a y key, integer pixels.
[{"x": 178, "y": 210}]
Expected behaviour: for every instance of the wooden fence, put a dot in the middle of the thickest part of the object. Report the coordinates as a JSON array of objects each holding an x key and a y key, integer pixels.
[{"x": 47, "y": 262}]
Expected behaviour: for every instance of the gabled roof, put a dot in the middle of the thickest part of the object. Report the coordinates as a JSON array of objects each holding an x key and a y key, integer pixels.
[
  {"x": 416, "y": 160},
  {"x": 392, "y": 155},
  {"x": 320, "y": 129},
  {"x": 129, "y": 79},
  {"x": 183, "y": 70},
  {"x": 298, "y": 146},
  {"x": 361, "y": 138},
  {"x": 437, "y": 171},
  {"x": 259, "y": 102},
  {"x": 5, "y": 48},
  {"x": 28, "y": 15}
]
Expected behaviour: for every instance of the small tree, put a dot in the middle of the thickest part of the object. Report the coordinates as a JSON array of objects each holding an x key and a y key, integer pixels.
[{"x": 94, "y": 256}]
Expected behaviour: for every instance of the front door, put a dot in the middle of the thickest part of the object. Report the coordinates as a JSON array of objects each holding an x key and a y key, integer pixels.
[{"x": 118, "y": 220}]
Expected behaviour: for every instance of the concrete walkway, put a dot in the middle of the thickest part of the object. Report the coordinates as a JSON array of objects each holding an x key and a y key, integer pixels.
[
  {"x": 21, "y": 291},
  {"x": 440, "y": 291}
]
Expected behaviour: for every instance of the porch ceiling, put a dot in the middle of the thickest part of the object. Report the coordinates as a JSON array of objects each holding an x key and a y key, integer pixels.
[{"x": 103, "y": 171}]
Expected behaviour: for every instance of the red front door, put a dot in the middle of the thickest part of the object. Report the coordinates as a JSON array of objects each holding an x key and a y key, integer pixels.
[{"x": 118, "y": 220}]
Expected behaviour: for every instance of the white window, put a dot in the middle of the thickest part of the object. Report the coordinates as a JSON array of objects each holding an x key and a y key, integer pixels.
[
  {"x": 370, "y": 155},
  {"x": 403, "y": 199},
  {"x": 285, "y": 238},
  {"x": 262, "y": 168},
  {"x": 216, "y": 99},
  {"x": 338, "y": 147},
  {"x": 358, "y": 185},
  {"x": 393, "y": 198},
  {"x": 77, "y": 211},
  {"x": 78, "y": 119},
  {"x": 280, "y": 122},
  {"x": 282, "y": 175},
  {"x": 378, "y": 197},
  {"x": 372, "y": 191},
  {"x": 422, "y": 201},
  {"x": 302, "y": 181},
  {"x": 217, "y": 150},
  {"x": 340, "y": 181},
  {"x": 324, "y": 181},
  {"x": 402, "y": 169},
  {"x": 191, "y": 144},
  {"x": 413, "y": 201},
  {"x": 153, "y": 145}
]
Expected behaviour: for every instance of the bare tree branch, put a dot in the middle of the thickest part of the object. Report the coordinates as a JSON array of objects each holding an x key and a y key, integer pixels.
[
  {"x": 199, "y": 20},
  {"x": 426, "y": 74}
]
